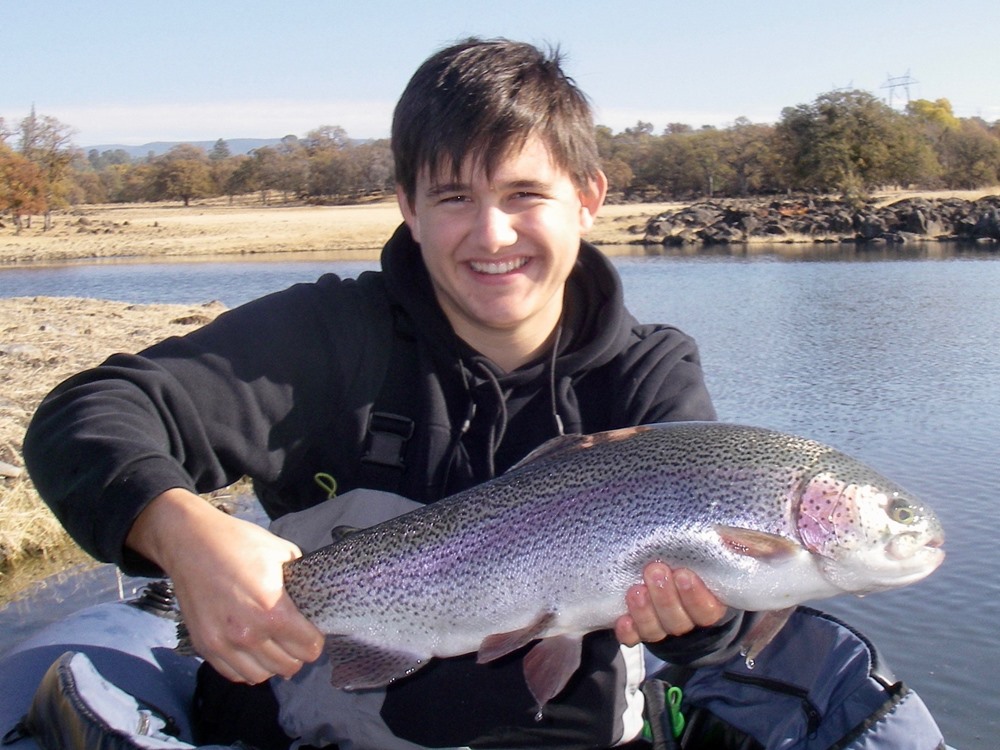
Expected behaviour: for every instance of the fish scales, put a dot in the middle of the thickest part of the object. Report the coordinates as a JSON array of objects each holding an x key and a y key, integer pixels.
[{"x": 550, "y": 548}]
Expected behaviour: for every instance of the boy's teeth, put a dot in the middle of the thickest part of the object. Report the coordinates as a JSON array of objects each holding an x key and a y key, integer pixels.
[{"x": 498, "y": 267}]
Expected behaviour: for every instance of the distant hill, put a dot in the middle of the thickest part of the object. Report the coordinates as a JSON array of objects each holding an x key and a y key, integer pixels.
[{"x": 236, "y": 146}]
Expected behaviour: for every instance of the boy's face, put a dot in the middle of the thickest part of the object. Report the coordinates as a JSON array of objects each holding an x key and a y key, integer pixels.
[{"x": 499, "y": 251}]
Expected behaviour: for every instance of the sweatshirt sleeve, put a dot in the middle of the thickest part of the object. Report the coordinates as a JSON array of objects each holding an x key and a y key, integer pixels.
[{"x": 196, "y": 412}]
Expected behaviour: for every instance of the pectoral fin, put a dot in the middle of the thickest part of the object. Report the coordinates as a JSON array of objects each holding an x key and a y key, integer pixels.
[
  {"x": 758, "y": 544},
  {"x": 549, "y": 665},
  {"x": 356, "y": 665}
]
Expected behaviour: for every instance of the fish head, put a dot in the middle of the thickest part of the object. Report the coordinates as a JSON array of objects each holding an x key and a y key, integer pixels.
[{"x": 866, "y": 533}]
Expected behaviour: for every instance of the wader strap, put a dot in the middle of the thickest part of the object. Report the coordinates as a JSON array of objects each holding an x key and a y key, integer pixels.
[
  {"x": 389, "y": 430},
  {"x": 386, "y": 439}
]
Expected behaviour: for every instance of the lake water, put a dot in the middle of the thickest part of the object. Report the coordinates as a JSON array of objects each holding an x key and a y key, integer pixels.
[{"x": 894, "y": 358}]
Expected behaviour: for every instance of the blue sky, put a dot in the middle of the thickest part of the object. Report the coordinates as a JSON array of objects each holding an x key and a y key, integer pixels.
[{"x": 139, "y": 71}]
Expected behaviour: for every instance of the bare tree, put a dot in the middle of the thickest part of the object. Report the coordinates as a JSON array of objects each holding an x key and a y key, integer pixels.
[{"x": 48, "y": 144}]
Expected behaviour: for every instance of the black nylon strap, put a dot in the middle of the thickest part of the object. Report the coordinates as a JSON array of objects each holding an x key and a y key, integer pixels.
[{"x": 389, "y": 426}]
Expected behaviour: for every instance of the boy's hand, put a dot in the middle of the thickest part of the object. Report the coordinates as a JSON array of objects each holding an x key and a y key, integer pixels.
[
  {"x": 227, "y": 574},
  {"x": 667, "y": 603}
]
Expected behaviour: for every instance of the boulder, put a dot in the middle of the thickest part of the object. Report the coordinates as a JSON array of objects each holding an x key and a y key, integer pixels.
[{"x": 826, "y": 220}]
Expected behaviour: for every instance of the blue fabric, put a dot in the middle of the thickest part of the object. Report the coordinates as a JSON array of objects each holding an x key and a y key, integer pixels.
[{"x": 818, "y": 684}]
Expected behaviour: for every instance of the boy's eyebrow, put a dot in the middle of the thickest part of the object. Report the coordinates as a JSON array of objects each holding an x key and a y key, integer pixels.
[{"x": 442, "y": 188}]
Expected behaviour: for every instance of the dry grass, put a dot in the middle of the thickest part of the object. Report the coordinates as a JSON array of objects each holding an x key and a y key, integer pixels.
[{"x": 43, "y": 341}]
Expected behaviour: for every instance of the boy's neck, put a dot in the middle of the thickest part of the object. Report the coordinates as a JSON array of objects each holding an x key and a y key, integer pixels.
[{"x": 512, "y": 349}]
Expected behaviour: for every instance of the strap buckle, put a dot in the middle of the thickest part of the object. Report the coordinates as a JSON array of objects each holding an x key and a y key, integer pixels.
[{"x": 387, "y": 438}]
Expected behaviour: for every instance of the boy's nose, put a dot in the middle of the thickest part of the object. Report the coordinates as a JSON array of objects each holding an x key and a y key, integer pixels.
[{"x": 495, "y": 228}]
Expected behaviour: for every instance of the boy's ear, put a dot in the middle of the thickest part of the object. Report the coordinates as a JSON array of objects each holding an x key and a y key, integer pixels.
[
  {"x": 409, "y": 215},
  {"x": 591, "y": 199}
]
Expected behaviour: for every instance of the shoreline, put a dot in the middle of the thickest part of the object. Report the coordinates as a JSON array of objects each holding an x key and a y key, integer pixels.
[
  {"x": 219, "y": 228},
  {"x": 215, "y": 229}
]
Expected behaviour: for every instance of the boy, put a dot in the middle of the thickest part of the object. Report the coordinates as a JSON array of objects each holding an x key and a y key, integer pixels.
[{"x": 490, "y": 329}]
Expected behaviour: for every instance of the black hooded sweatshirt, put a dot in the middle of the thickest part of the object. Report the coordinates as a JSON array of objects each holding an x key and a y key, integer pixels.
[{"x": 284, "y": 388}]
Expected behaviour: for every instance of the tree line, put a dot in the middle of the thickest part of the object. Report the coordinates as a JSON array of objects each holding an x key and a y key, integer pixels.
[{"x": 845, "y": 141}]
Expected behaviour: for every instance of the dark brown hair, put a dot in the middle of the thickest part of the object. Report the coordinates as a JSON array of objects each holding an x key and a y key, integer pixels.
[{"x": 483, "y": 99}]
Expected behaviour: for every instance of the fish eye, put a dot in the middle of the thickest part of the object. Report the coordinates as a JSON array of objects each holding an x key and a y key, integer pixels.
[{"x": 902, "y": 513}]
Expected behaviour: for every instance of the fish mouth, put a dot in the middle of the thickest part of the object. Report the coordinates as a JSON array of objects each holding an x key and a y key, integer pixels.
[
  {"x": 904, "y": 547},
  {"x": 918, "y": 556}
]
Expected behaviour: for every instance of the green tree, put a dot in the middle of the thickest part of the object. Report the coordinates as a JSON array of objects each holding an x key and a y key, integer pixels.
[
  {"x": 707, "y": 147},
  {"x": 104, "y": 159},
  {"x": 673, "y": 166},
  {"x": 614, "y": 160},
  {"x": 843, "y": 141},
  {"x": 184, "y": 173},
  {"x": 936, "y": 116},
  {"x": 636, "y": 147},
  {"x": 284, "y": 167},
  {"x": 748, "y": 151},
  {"x": 140, "y": 183},
  {"x": 970, "y": 156},
  {"x": 244, "y": 177},
  {"x": 373, "y": 167},
  {"x": 331, "y": 174},
  {"x": 220, "y": 151},
  {"x": 326, "y": 138}
]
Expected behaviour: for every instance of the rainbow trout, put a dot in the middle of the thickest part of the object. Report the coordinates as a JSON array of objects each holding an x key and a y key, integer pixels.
[{"x": 547, "y": 551}]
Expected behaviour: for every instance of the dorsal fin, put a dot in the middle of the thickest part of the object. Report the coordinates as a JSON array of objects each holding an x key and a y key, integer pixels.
[
  {"x": 563, "y": 444},
  {"x": 554, "y": 447}
]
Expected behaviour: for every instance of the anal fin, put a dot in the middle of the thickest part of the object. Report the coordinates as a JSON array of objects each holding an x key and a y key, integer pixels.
[
  {"x": 549, "y": 665},
  {"x": 356, "y": 665}
]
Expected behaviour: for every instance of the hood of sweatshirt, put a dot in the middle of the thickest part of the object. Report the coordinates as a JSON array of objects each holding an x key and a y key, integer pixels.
[{"x": 483, "y": 400}]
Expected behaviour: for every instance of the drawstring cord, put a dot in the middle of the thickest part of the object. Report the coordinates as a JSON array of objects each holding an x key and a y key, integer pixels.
[
  {"x": 552, "y": 380},
  {"x": 457, "y": 435},
  {"x": 499, "y": 430}
]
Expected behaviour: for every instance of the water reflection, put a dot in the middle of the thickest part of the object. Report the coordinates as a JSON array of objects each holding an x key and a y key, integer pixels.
[
  {"x": 813, "y": 252},
  {"x": 240, "y": 279}
]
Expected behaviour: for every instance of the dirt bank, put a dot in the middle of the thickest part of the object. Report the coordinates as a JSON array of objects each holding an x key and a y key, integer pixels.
[{"x": 219, "y": 229}]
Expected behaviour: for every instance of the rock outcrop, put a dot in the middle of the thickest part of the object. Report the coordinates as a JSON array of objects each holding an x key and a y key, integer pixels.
[{"x": 827, "y": 220}]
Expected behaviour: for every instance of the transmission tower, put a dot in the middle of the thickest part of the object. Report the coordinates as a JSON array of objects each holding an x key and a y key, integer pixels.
[{"x": 899, "y": 82}]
